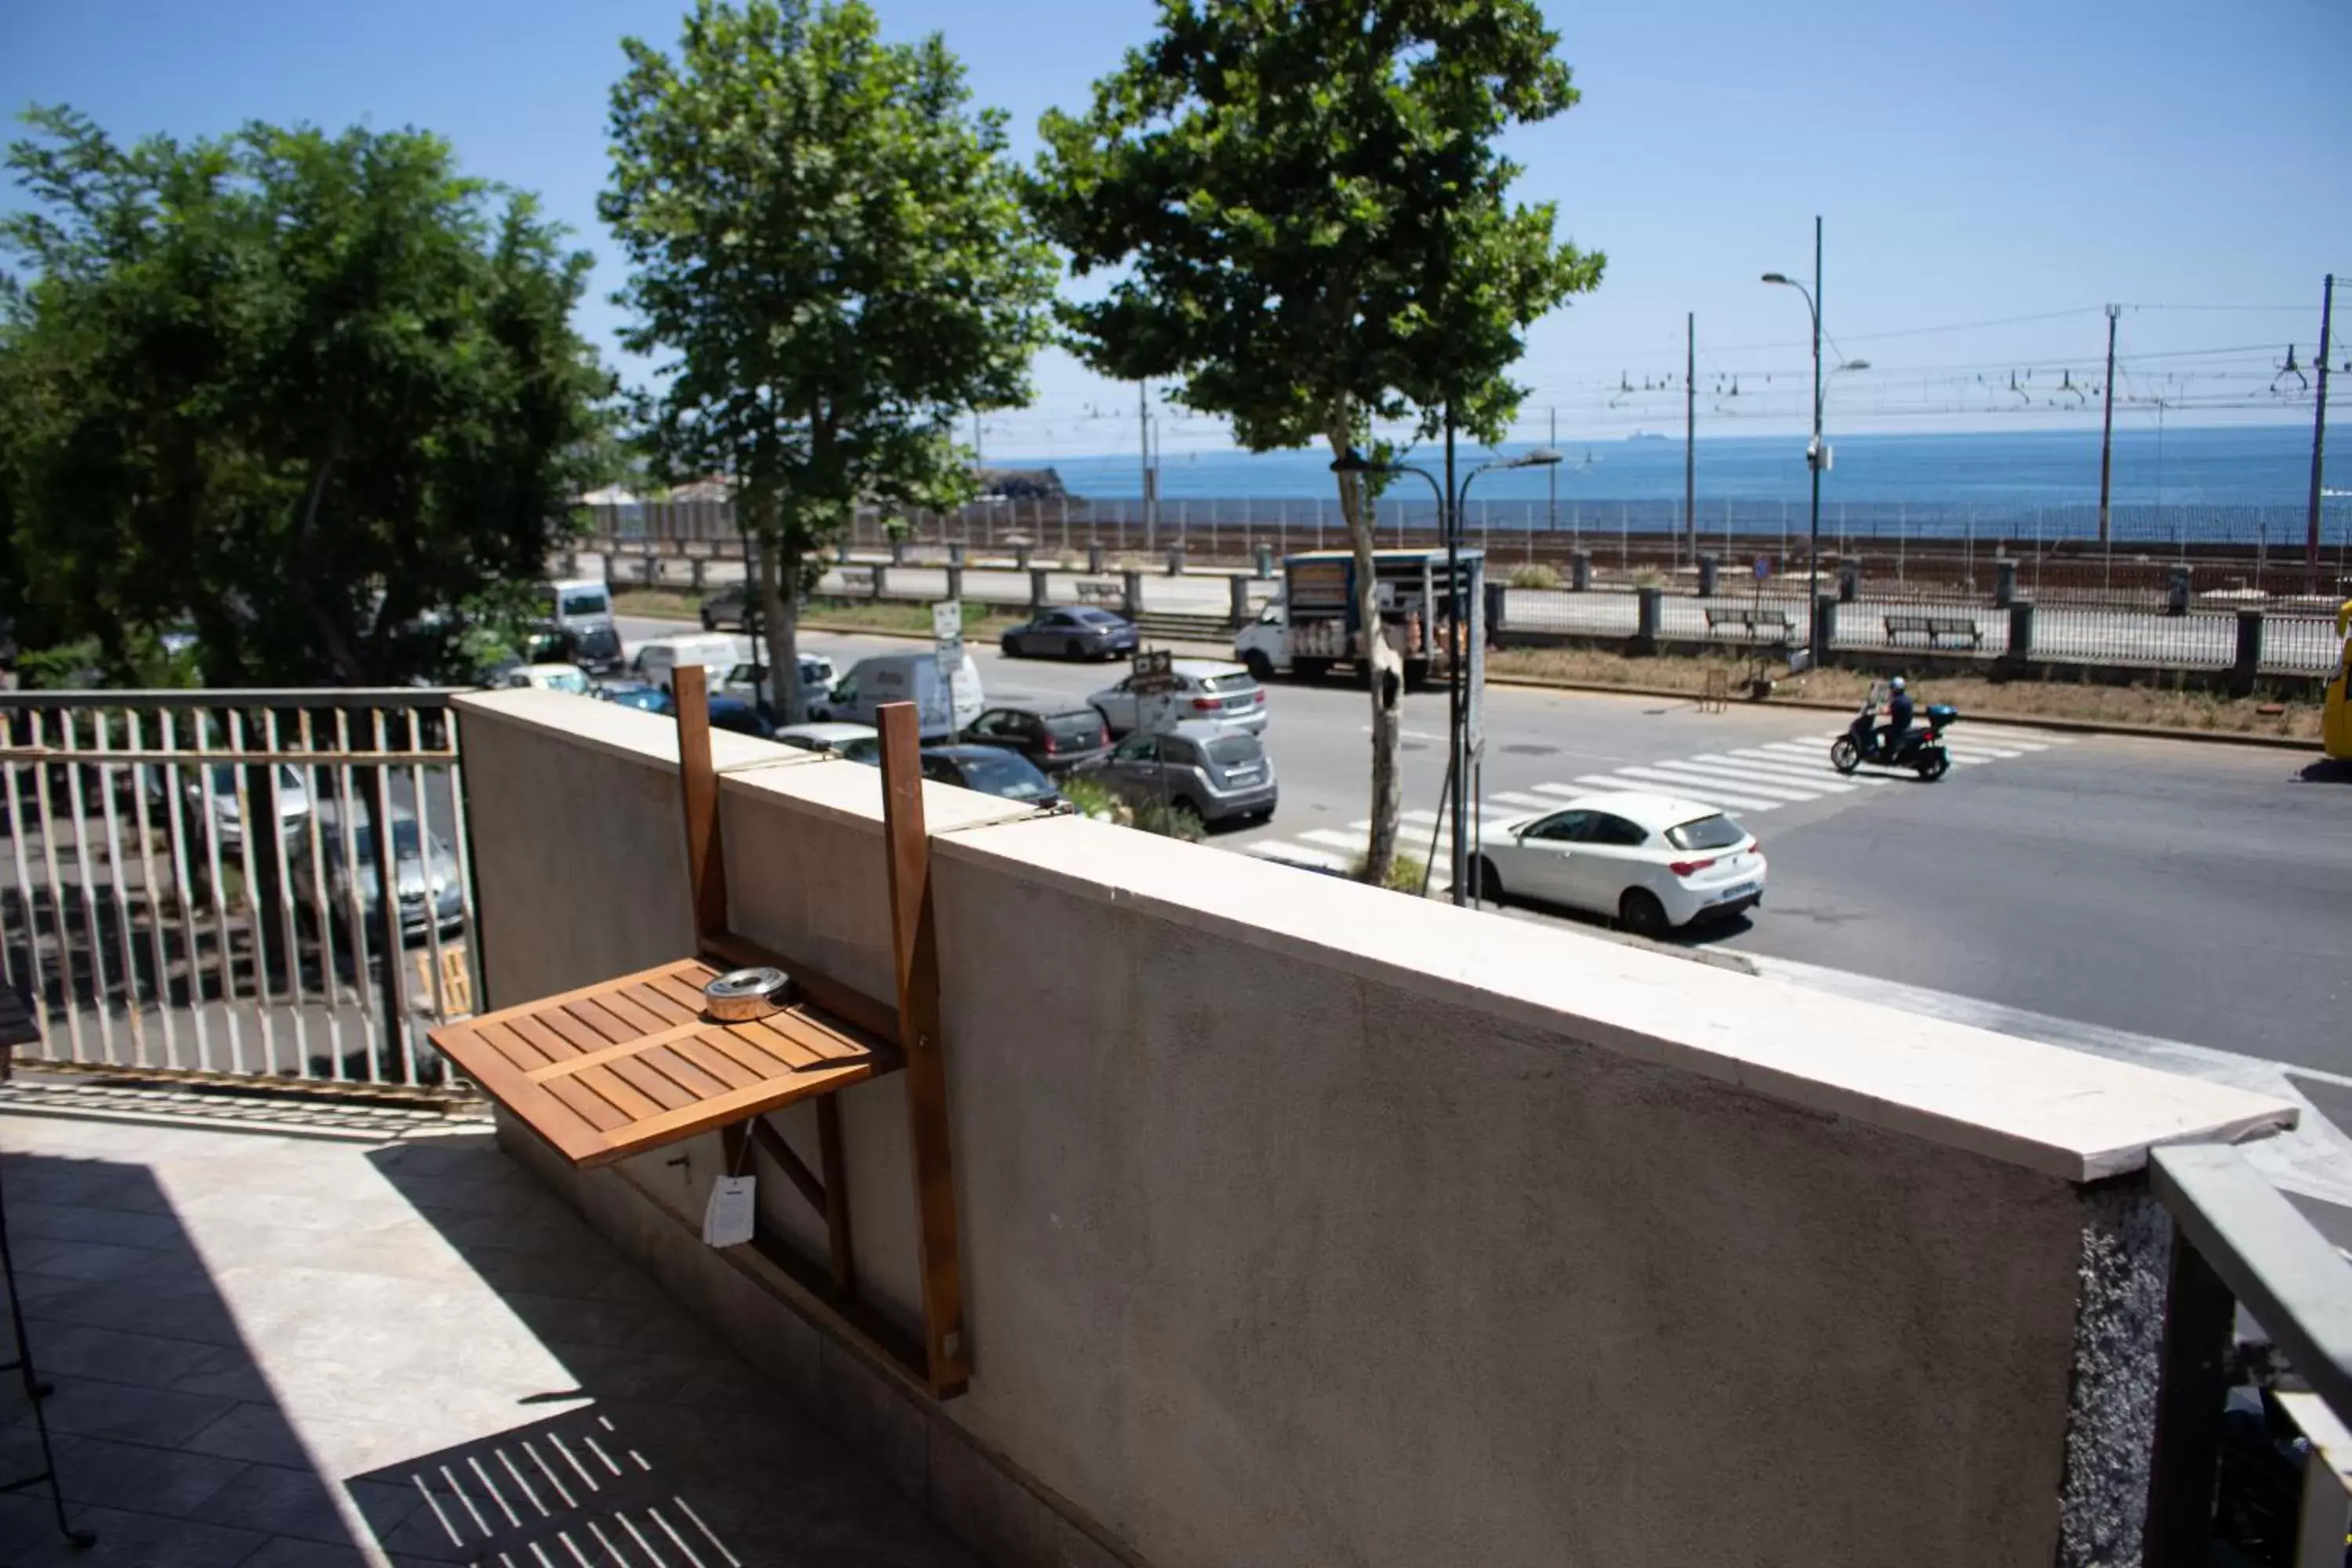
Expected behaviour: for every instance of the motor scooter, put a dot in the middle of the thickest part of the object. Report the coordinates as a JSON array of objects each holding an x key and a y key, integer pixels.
[{"x": 1920, "y": 747}]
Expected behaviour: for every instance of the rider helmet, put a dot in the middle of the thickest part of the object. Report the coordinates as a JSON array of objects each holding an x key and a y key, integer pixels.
[{"x": 1895, "y": 684}]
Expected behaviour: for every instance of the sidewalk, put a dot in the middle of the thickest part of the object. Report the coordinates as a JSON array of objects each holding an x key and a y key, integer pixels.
[{"x": 273, "y": 1351}]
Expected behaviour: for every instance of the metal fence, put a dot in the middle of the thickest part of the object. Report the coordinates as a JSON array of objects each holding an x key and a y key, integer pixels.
[{"x": 194, "y": 881}]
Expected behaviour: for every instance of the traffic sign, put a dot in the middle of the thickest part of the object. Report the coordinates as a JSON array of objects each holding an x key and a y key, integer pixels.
[
  {"x": 1153, "y": 673},
  {"x": 1763, "y": 567}
]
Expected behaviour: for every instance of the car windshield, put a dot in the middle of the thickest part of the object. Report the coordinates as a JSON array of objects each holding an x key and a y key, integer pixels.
[
  {"x": 1084, "y": 729},
  {"x": 585, "y": 602},
  {"x": 1236, "y": 751},
  {"x": 1718, "y": 832},
  {"x": 572, "y": 680},
  {"x": 1227, "y": 683},
  {"x": 1008, "y": 774}
]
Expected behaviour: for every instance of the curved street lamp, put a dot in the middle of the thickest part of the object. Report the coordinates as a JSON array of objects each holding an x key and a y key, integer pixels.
[
  {"x": 1457, "y": 788},
  {"x": 1815, "y": 453}
]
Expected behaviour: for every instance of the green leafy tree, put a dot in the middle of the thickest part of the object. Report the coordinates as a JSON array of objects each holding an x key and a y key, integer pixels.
[
  {"x": 830, "y": 252},
  {"x": 1307, "y": 221},
  {"x": 317, "y": 398}
]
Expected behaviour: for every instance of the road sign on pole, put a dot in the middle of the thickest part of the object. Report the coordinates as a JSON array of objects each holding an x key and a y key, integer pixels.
[
  {"x": 1763, "y": 567},
  {"x": 946, "y": 636},
  {"x": 1152, "y": 682}
]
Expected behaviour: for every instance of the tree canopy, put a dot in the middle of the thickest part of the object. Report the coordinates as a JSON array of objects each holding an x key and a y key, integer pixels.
[
  {"x": 830, "y": 261},
  {"x": 1308, "y": 228},
  {"x": 316, "y": 398}
]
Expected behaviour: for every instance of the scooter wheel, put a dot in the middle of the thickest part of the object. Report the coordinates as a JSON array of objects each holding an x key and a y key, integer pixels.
[
  {"x": 1843, "y": 754},
  {"x": 1934, "y": 766}
]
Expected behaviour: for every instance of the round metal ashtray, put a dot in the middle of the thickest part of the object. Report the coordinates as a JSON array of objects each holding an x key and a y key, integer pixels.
[{"x": 740, "y": 995}]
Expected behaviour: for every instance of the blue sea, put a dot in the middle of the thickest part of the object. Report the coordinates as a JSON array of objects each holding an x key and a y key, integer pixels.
[{"x": 2242, "y": 466}]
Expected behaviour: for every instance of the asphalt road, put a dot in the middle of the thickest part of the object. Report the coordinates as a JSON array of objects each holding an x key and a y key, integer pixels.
[{"x": 2184, "y": 891}]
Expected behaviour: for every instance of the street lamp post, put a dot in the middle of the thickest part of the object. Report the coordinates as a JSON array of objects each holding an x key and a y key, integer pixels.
[
  {"x": 1457, "y": 706},
  {"x": 1816, "y": 455}
]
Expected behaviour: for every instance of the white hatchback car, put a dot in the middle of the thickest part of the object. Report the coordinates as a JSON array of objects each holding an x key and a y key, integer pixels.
[
  {"x": 1206, "y": 689},
  {"x": 1653, "y": 861}
]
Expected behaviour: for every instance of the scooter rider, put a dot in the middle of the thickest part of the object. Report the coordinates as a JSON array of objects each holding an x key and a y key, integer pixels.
[{"x": 1898, "y": 716}]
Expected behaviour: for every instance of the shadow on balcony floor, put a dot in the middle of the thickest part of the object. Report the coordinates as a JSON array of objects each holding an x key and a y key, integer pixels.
[{"x": 271, "y": 1351}]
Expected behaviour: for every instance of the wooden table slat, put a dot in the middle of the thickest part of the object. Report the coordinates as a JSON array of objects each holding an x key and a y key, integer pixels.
[{"x": 609, "y": 1071}]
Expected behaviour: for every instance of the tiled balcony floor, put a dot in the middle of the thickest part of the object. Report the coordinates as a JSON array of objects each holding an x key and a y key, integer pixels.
[{"x": 271, "y": 1350}]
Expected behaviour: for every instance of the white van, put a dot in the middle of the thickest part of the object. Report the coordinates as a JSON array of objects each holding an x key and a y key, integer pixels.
[
  {"x": 658, "y": 657},
  {"x": 945, "y": 707}
]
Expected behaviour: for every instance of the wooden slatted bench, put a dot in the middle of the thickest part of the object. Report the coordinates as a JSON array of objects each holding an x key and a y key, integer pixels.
[
  {"x": 857, "y": 579},
  {"x": 1101, "y": 593},
  {"x": 1754, "y": 624},
  {"x": 1934, "y": 630}
]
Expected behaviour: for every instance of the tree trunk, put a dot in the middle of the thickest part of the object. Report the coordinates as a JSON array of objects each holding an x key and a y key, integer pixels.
[
  {"x": 1384, "y": 670},
  {"x": 779, "y": 612}
]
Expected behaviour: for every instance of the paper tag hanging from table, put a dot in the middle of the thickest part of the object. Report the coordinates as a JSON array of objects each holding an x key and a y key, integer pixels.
[{"x": 727, "y": 1218}]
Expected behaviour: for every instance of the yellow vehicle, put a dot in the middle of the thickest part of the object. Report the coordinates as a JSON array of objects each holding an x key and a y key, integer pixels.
[{"x": 2336, "y": 709}]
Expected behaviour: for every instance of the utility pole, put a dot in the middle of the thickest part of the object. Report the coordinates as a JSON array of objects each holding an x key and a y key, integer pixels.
[
  {"x": 1143, "y": 433},
  {"x": 1457, "y": 750},
  {"x": 978, "y": 460},
  {"x": 1551, "y": 479},
  {"x": 1690, "y": 430},
  {"x": 2318, "y": 435},
  {"x": 2107, "y": 428}
]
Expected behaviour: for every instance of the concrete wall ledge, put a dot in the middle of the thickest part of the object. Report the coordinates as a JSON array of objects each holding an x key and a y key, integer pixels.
[{"x": 2057, "y": 1112}]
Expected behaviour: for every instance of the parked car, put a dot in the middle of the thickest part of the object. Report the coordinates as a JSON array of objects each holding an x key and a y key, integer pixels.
[
  {"x": 1057, "y": 737},
  {"x": 1651, "y": 861},
  {"x": 1206, "y": 689},
  {"x": 734, "y": 713},
  {"x": 858, "y": 742},
  {"x": 1219, "y": 773},
  {"x": 635, "y": 694},
  {"x": 945, "y": 707},
  {"x": 568, "y": 678},
  {"x": 731, "y": 606},
  {"x": 658, "y": 657},
  {"x": 817, "y": 676},
  {"x": 1070, "y": 634},
  {"x": 579, "y": 614},
  {"x": 208, "y": 799},
  {"x": 431, "y": 890},
  {"x": 990, "y": 770}
]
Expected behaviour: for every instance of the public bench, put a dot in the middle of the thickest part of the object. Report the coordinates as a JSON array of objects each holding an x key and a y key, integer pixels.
[
  {"x": 1101, "y": 593},
  {"x": 1935, "y": 630},
  {"x": 857, "y": 581},
  {"x": 1753, "y": 625}
]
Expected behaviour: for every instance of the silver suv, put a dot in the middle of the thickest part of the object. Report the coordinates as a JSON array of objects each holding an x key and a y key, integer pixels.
[{"x": 1219, "y": 773}]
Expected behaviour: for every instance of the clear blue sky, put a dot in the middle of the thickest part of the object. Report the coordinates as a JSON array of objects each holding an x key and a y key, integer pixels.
[{"x": 1974, "y": 163}]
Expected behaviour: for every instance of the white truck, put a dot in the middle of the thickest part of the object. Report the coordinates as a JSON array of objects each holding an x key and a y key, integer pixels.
[{"x": 1312, "y": 624}]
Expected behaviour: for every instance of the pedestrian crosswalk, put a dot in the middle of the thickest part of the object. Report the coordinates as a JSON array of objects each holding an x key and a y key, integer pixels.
[{"x": 1742, "y": 780}]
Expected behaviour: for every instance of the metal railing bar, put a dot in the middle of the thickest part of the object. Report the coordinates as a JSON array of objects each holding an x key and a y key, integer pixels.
[
  {"x": 433, "y": 697},
  {"x": 388, "y": 885},
  {"x": 355, "y": 915},
  {"x": 134, "y": 1013},
  {"x": 184, "y": 893},
  {"x": 98, "y": 991},
  {"x": 249, "y": 828},
  {"x": 432, "y": 894},
  {"x": 44, "y": 804},
  {"x": 321, "y": 927},
  {"x": 2275, "y": 1261},
  {"x": 208, "y": 820},
  {"x": 252, "y": 756},
  {"x": 159, "y": 950},
  {"x": 35, "y": 988},
  {"x": 292, "y": 950}
]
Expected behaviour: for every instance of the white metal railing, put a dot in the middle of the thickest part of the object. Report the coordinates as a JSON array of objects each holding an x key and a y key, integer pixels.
[{"x": 263, "y": 884}]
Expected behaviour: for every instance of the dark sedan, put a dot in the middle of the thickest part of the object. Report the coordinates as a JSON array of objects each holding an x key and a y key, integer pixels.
[
  {"x": 1071, "y": 634},
  {"x": 1058, "y": 738},
  {"x": 990, "y": 770}
]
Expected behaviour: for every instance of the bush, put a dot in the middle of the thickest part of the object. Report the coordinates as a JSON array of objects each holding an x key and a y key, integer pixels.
[
  {"x": 1169, "y": 821},
  {"x": 1095, "y": 800},
  {"x": 1407, "y": 873},
  {"x": 1534, "y": 574}
]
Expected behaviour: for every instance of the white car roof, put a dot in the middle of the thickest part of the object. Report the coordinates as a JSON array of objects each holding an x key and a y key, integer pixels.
[
  {"x": 561, "y": 584},
  {"x": 824, "y": 731},
  {"x": 1202, "y": 668},
  {"x": 699, "y": 641},
  {"x": 1655, "y": 812}
]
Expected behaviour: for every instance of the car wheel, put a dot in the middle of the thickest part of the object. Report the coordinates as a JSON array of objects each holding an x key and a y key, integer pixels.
[
  {"x": 1640, "y": 912},
  {"x": 1010, "y": 649},
  {"x": 1843, "y": 754},
  {"x": 1073, "y": 648},
  {"x": 1261, "y": 668},
  {"x": 1490, "y": 882}
]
